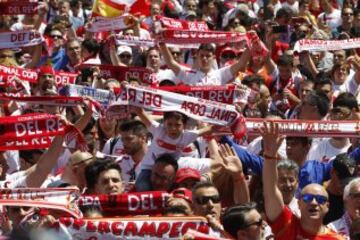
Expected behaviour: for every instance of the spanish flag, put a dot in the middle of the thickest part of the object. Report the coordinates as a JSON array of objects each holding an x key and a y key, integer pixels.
[
  {"x": 115, "y": 8},
  {"x": 109, "y": 8}
]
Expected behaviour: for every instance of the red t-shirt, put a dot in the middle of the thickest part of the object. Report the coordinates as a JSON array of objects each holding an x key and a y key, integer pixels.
[{"x": 287, "y": 226}]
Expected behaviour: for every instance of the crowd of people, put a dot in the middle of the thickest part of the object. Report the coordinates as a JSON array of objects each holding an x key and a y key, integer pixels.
[{"x": 264, "y": 186}]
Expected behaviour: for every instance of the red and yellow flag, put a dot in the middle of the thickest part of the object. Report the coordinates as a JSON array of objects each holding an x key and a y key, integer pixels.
[{"x": 109, "y": 8}]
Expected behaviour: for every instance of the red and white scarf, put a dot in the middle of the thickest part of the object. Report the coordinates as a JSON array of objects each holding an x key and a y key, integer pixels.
[
  {"x": 103, "y": 24},
  {"x": 133, "y": 228},
  {"x": 8, "y": 73},
  {"x": 18, "y": 39},
  {"x": 305, "y": 128},
  {"x": 199, "y": 109},
  {"x": 24, "y": 7},
  {"x": 61, "y": 199},
  {"x": 326, "y": 45},
  {"x": 171, "y": 23},
  {"x": 120, "y": 73},
  {"x": 36, "y": 131},
  {"x": 223, "y": 94},
  {"x": 143, "y": 203},
  {"x": 148, "y": 42}
]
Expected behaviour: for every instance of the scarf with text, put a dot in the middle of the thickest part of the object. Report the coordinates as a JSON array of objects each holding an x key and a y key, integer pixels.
[
  {"x": 103, "y": 24},
  {"x": 59, "y": 199},
  {"x": 8, "y": 73},
  {"x": 223, "y": 94},
  {"x": 126, "y": 204},
  {"x": 326, "y": 45},
  {"x": 100, "y": 95},
  {"x": 121, "y": 73},
  {"x": 304, "y": 128},
  {"x": 18, "y": 39},
  {"x": 133, "y": 228},
  {"x": 36, "y": 131},
  {"x": 24, "y": 7},
  {"x": 148, "y": 42},
  {"x": 196, "y": 108},
  {"x": 171, "y": 23}
]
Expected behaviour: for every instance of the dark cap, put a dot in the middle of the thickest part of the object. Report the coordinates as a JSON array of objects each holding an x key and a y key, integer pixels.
[{"x": 344, "y": 166}]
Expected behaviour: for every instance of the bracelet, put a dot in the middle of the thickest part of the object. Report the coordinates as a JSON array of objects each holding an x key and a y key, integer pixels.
[
  {"x": 276, "y": 157},
  {"x": 240, "y": 179}
]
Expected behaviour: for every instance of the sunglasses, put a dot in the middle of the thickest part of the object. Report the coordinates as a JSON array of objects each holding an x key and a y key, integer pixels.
[
  {"x": 228, "y": 56},
  {"x": 125, "y": 56},
  {"x": 205, "y": 199},
  {"x": 176, "y": 53},
  {"x": 258, "y": 223},
  {"x": 56, "y": 36},
  {"x": 308, "y": 198}
]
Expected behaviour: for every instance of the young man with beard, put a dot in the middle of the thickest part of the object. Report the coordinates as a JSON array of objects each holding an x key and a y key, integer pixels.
[
  {"x": 129, "y": 147},
  {"x": 313, "y": 202}
]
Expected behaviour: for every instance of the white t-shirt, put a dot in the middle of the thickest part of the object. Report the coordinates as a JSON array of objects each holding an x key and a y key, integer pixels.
[
  {"x": 294, "y": 7},
  {"x": 333, "y": 20},
  {"x": 200, "y": 164},
  {"x": 198, "y": 78},
  {"x": 162, "y": 144},
  {"x": 255, "y": 147},
  {"x": 15, "y": 180},
  {"x": 341, "y": 227},
  {"x": 129, "y": 170},
  {"x": 294, "y": 207},
  {"x": 117, "y": 149},
  {"x": 323, "y": 151}
]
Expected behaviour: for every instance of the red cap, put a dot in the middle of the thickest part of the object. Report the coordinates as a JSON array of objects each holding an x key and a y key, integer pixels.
[
  {"x": 187, "y": 173},
  {"x": 46, "y": 69}
]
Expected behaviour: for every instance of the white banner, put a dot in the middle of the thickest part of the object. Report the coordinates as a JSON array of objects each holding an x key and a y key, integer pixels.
[{"x": 25, "y": 38}]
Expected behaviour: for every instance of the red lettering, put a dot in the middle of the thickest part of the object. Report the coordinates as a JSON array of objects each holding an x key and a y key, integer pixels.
[
  {"x": 162, "y": 229},
  {"x": 66, "y": 221},
  {"x": 187, "y": 226},
  {"x": 203, "y": 228},
  {"x": 130, "y": 228},
  {"x": 157, "y": 100},
  {"x": 131, "y": 95},
  {"x": 116, "y": 228},
  {"x": 78, "y": 223},
  {"x": 103, "y": 227},
  {"x": 147, "y": 229},
  {"x": 175, "y": 231},
  {"x": 90, "y": 226}
]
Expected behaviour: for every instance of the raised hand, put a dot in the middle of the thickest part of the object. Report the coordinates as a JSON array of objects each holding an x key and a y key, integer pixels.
[
  {"x": 272, "y": 138},
  {"x": 231, "y": 162}
]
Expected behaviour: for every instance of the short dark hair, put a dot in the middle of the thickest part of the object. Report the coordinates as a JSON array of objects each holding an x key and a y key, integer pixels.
[
  {"x": 304, "y": 140},
  {"x": 176, "y": 115},
  {"x": 167, "y": 159},
  {"x": 344, "y": 166},
  {"x": 286, "y": 61},
  {"x": 320, "y": 100},
  {"x": 203, "y": 184},
  {"x": 135, "y": 126},
  {"x": 208, "y": 47},
  {"x": 177, "y": 209},
  {"x": 346, "y": 99},
  {"x": 234, "y": 218},
  {"x": 322, "y": 78},
  {"x": 253, "y": 79},
  {"x": 91, "y": 45},
  {"x": 94, "y": 169}
]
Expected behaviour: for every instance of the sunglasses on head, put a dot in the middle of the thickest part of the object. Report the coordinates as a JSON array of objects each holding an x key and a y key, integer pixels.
[
  {"x": 205, "y": 199},
  {"x": 308, "y": 198}
]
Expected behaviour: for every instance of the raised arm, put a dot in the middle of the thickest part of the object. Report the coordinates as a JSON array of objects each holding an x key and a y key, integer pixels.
[
  {"x": 37, "y": 174},
  {"x": 241, "y": 64},
  {"x": 144, "y": 117},
  {"x": 274, "y": 203},
  {"x": 169, "y": 60},
  {"x": 232, "y": 165}
]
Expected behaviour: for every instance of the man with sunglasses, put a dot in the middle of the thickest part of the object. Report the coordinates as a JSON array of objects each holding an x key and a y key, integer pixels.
[
  {"x": 313, "y": 202},
  {"x": 206, "y": 203},
  {"x": 244, "y": 222}
]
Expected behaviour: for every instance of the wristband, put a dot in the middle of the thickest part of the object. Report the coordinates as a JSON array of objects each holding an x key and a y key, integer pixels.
[
  {"x": 276, "y": 157},
  {"x": 241, "y": 178}
]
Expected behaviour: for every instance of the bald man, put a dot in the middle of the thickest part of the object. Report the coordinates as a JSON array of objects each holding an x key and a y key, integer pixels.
[
  {"x": 74, "y": 171},
  {"x": 313, "y": 202}
]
